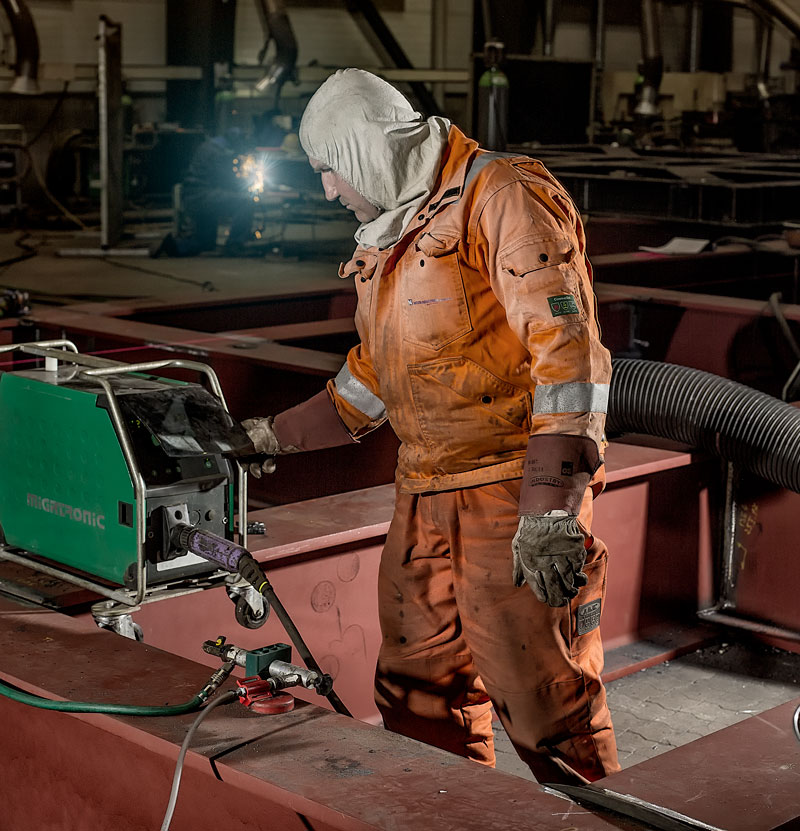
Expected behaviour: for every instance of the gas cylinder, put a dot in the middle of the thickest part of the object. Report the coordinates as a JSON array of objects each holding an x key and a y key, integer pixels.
[{"x": 493, "y": 99}]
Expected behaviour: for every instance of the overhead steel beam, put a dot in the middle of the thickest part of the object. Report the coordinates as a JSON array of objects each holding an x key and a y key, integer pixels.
[
  {"x": 783, "y": 13},
  {"x": 388, "y": 50}
]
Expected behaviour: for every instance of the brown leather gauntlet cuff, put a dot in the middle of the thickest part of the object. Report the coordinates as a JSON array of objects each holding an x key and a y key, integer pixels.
[
  {"x": 312, "y": 425},
  {"x": 557, "y": 471}
]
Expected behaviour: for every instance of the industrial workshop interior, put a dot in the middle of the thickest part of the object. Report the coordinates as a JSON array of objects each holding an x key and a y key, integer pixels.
[{"x": 335, "y": 493}]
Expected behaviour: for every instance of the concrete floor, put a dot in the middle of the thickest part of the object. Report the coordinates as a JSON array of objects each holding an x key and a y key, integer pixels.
[
  {"x": 672, "y": 704},
  {"x": 52, "y": 275}
]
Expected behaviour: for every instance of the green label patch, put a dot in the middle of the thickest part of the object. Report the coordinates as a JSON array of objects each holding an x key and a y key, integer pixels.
[{"x": 563, "y": 304}]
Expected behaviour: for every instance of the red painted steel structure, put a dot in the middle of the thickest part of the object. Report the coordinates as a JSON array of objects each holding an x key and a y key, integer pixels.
[
  {"x": 743, "y": 778},
  {"x": 322, "y": 558},
  {"x": 284, "y": 362},
  {"x": 311, "y": 768},
  {"x": 760, "y": 578},
  {"x": 300, "y": 342},
  {"x": 267, "y": 368}
]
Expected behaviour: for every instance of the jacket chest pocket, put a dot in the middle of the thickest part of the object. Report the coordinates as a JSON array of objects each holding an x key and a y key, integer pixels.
[
  {"x": 362, "y": 269},
  {"x": 432, "y": 293}
]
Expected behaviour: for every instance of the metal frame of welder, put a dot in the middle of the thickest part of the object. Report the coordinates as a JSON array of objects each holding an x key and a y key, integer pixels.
[{"x": 100, "y": 369}]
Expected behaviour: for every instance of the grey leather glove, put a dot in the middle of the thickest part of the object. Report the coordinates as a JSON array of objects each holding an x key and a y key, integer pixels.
[
  {"x": 549, "y": 553},
  {"x": 260, "y": 432}
]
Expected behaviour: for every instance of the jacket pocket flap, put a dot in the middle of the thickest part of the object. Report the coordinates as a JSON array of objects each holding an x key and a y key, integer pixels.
[
  {"x": 362, "y": 264},
  {"x": 437, "y": 246},
  {"x": 477, "y": 389},
  {"x": 533, "y": 255}
]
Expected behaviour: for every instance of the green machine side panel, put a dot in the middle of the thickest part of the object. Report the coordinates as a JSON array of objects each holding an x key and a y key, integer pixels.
[{"x": 62, "y": 477}]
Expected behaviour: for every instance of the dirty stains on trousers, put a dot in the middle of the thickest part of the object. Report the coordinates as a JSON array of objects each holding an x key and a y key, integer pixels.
[{"x": 459, "y": 636}]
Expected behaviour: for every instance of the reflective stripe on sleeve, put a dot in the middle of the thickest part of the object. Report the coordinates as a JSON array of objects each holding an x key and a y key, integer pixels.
[
  {"x": 355, "y": 393},
  {"x": 576, "y": 397}
]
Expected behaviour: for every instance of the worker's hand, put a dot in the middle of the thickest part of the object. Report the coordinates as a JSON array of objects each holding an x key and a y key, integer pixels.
[
  {"x": 260, "y": 432},
  {"x": 549, "y": 552}
]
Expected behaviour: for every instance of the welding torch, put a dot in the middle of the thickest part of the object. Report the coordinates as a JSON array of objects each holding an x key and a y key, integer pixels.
[{"x": 235, "y": 558}]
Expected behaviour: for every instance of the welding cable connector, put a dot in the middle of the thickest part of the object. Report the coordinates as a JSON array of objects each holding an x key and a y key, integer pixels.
[
  {"x": 216, "y": 680},
  {"x": 225, "y": 651}
]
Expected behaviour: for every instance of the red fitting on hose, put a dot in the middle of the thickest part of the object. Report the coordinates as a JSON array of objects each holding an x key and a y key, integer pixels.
[{"x": 257, "y": 695}]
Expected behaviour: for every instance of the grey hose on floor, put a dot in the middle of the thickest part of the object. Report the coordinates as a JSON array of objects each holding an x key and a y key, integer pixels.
[
  {"x": 223, "y": 698},
  {"x": 751, "y": 429}
]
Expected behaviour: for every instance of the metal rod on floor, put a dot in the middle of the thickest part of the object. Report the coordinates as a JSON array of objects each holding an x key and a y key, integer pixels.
[{"x": 726, "y": 618}]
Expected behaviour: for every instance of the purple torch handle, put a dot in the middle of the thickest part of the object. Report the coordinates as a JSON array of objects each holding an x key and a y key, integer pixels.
[{"x": 214, "y": 548}]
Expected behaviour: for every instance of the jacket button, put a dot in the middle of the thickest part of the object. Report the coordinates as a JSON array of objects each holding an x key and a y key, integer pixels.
[
  {"x": 422, "y": 262},
  {"x": 486, "y": 399},
  {"x": 543, "y": 257},
  {"x": 363, "y": 279},
  {"x": 421, "y": 216},
  {"x": 360, "y": 263}
]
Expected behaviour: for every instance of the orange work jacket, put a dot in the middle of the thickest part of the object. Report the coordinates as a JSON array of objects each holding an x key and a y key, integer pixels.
[{"x": 478, "y": 327}]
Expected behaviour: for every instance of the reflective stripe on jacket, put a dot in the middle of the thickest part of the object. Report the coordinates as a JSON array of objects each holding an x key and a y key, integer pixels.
[{"x": 478, "y": 328}]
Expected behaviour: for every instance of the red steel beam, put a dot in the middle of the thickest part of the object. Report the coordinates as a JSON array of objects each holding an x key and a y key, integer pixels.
[
  {"x": 296, "y": 331},
  {"x": 309, "y": 768},
  {"x": 743, "y": 778},
  {"x": 322, "y": 557}
]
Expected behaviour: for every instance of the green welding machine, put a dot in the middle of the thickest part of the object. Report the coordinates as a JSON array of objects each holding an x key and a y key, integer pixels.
[{"x": 101, "y": 460}]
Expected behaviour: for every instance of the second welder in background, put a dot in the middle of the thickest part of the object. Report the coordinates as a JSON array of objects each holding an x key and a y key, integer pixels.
[{"x": 217, "y": 189}]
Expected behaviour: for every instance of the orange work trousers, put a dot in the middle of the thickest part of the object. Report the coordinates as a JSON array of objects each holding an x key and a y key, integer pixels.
[{"x": 459, "y": 637}]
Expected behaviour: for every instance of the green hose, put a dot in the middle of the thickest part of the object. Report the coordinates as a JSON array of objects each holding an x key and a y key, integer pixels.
[
  {"x": 89, "y": 707},
  {"x": 190, "y": 706}
]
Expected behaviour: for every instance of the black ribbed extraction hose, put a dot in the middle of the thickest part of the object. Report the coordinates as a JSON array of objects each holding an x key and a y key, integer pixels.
[
  {"x": 26, "y": 41},
  {"x": 749, "y": 428}
]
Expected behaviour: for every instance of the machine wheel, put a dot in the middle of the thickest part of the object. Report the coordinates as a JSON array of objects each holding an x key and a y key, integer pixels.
[{"x": 245, "y": 616}]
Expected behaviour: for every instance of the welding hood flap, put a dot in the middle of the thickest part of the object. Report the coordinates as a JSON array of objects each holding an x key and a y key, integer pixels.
[{"x": 187, "y": 421}]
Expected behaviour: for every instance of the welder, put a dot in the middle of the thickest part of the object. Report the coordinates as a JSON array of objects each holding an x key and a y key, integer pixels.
[
  {"x": 479, "y": 343},
  {"x": 213, "y": 190}
]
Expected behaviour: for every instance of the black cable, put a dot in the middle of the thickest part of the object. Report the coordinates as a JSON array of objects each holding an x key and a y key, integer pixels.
[
  {"x": 206, "y": 286},
  {"x": 20, "y": 242},
  {"x": 223, "y": 698},
  {"x": 32, "y": 166},
  {"x": 30, "y": 251},
  {"x": 49, "y": 120},
  {"x": 234, "y": 557},
  {"x": 49, "y": 298},
  {"x": 297, "y": 639},
  {"x": 46, "y": 296}
]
